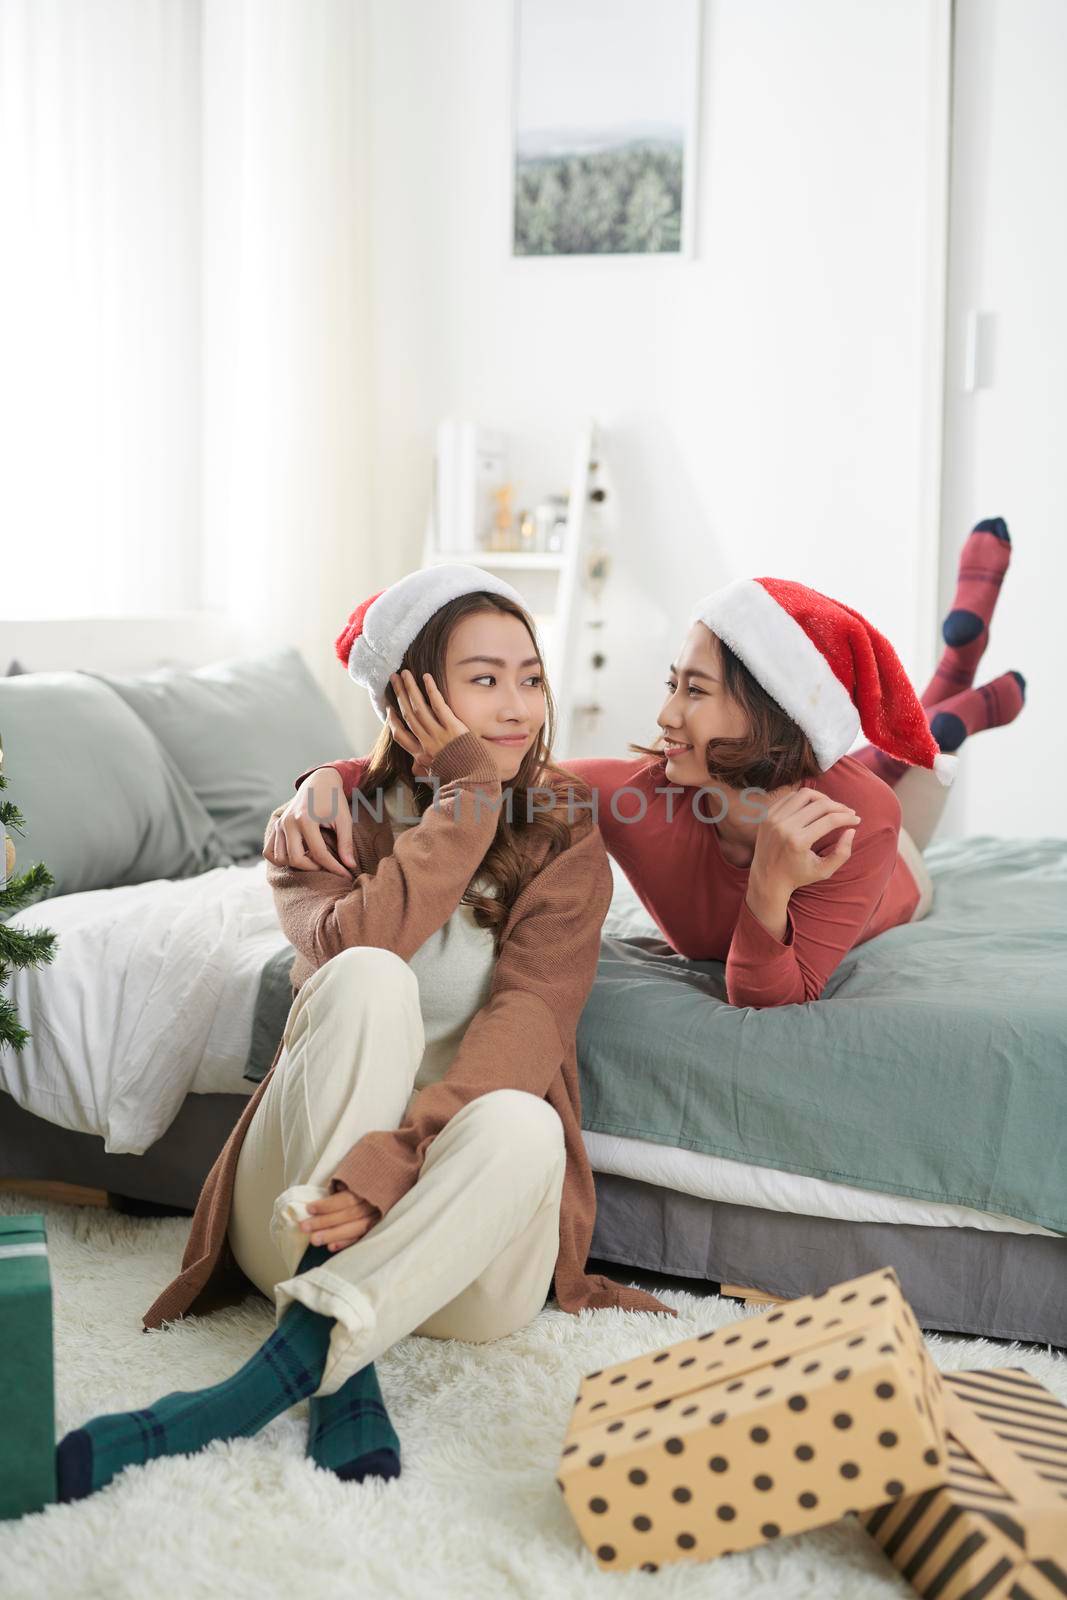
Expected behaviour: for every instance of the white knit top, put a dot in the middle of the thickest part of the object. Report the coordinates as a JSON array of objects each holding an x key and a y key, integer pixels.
[{"x": 454, "y": 966}]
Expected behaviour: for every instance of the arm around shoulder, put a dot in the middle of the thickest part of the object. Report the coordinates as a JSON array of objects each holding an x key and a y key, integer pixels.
[{"x": 413, "y": 890}]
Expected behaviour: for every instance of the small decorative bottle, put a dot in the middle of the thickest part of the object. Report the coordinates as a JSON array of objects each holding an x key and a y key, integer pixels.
[
  {"x": 503, "y": 518},
  {"x": 527, "y": 532}
]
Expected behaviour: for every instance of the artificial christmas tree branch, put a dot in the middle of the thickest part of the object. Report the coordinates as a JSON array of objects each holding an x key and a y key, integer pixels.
[{"x": 19, "y": 948}]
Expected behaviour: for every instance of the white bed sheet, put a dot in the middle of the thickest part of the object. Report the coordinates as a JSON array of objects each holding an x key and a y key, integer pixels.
[
  {"x": 150, "y": 997},
  {"x": 739, "y": 1183},
  {"x": 152, "y": 994}
]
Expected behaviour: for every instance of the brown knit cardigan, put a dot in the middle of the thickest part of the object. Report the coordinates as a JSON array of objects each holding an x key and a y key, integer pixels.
[{"x": 523, "y": 1037}]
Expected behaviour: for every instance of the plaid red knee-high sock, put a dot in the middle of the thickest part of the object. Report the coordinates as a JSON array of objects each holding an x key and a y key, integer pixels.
[
  {"x": 990, "y": 705},
  {"x": 983, "y": 563}
]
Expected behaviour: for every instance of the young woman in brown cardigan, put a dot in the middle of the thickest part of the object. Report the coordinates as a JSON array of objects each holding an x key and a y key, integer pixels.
[{"x": 413, "y": 1160}]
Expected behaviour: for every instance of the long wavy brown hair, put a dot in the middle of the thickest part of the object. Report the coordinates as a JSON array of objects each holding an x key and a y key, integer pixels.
[
  {"x": 510, "y": 862},
  {"x": 776, "y": 751}
]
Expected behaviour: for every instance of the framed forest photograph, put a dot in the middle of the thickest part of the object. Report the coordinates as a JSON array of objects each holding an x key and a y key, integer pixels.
[{"x": 606, "y": 99}]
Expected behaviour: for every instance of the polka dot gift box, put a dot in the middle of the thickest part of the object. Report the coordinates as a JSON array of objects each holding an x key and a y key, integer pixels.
[
  {"x": 769, "y": 1426},
  {"x": 997, "y": 1528}
]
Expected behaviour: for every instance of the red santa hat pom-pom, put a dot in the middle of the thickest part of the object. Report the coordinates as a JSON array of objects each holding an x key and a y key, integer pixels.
[{"x": 352, "y": 630}]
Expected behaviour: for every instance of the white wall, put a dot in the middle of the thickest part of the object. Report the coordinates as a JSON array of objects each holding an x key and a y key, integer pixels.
[
  {"x": 1006, "y": 442},
  {"x": 768, "y": 405}
]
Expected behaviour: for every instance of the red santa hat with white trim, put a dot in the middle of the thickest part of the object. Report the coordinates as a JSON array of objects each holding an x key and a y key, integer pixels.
[
  {"x": 827, "y": 668},
  {"x": 375, "y": 639}
]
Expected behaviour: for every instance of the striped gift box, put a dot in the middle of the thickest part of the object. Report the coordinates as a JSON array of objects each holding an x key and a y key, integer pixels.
[{"x": 997, "y": 1529}]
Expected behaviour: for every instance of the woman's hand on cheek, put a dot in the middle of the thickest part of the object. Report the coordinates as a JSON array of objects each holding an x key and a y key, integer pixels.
[
  {"x": 426, "y": 714},
  {"x": 407, "y": 741}
]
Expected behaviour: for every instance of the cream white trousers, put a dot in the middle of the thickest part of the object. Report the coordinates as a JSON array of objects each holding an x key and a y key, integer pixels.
[{"x": 468, "y": 1252}]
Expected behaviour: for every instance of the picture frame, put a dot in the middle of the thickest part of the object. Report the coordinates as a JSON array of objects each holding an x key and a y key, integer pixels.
[{"x": 605, "y": 116}]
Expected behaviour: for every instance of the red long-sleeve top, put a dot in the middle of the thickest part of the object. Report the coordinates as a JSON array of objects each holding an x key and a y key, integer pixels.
[{"x": 671, "y": 855}]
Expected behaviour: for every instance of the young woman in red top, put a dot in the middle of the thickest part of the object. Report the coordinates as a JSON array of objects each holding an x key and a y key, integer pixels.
[{"x": 747, "y": 831}]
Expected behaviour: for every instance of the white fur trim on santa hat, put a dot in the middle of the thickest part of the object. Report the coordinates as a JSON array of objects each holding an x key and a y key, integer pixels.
[
  {"x": 793, "y": 670},
  {"x": 402, "y": 611}
]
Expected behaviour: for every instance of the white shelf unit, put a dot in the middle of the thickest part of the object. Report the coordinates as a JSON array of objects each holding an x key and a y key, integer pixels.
[{"x": 560, "y": 625}]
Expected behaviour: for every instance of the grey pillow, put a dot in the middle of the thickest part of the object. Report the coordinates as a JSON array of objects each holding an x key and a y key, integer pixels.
[
  {"x": 102, "y": 802},
  {"x": 240, "y": 731}
]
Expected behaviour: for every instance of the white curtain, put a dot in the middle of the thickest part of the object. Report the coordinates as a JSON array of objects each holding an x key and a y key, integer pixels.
[
  {"x": 287, "y": 326},
  {"x": 184, "y": 314},
  {"x": 99, "y": 306}
]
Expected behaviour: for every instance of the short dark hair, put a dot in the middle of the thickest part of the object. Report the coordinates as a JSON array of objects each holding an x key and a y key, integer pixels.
[{"x": 774, "y": 753}]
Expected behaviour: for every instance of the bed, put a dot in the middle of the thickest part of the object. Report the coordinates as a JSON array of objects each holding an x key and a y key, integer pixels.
[{"x": 894, "y": 1121}]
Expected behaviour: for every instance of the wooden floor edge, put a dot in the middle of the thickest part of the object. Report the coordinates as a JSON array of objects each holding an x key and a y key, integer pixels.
[
  {"x": 70, "y": 1194},
  {"x": 754, "y": 1297}
]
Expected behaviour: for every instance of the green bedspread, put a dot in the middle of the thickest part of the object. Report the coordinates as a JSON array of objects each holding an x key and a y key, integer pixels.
[{"x": 933, "y": 1066}]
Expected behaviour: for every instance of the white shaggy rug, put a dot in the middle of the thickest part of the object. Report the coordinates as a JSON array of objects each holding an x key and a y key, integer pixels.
[{"x": 475, "y": 1514}]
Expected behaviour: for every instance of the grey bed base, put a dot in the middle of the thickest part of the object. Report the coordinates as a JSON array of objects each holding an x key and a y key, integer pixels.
[{"x": 958, "y": 1280}]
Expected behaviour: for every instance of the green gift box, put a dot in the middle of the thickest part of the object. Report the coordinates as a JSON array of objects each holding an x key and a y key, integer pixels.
[{"x": 27, "y": 1399}]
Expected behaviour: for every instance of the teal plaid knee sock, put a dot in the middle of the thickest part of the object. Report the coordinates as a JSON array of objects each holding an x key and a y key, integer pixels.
[
  {"x": 349, "y": 1431},
  {"x": 286, "y": 1368}
]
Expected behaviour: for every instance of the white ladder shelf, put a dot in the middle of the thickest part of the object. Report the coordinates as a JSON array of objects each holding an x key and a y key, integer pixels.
[{"x": 561, "y": 647}]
